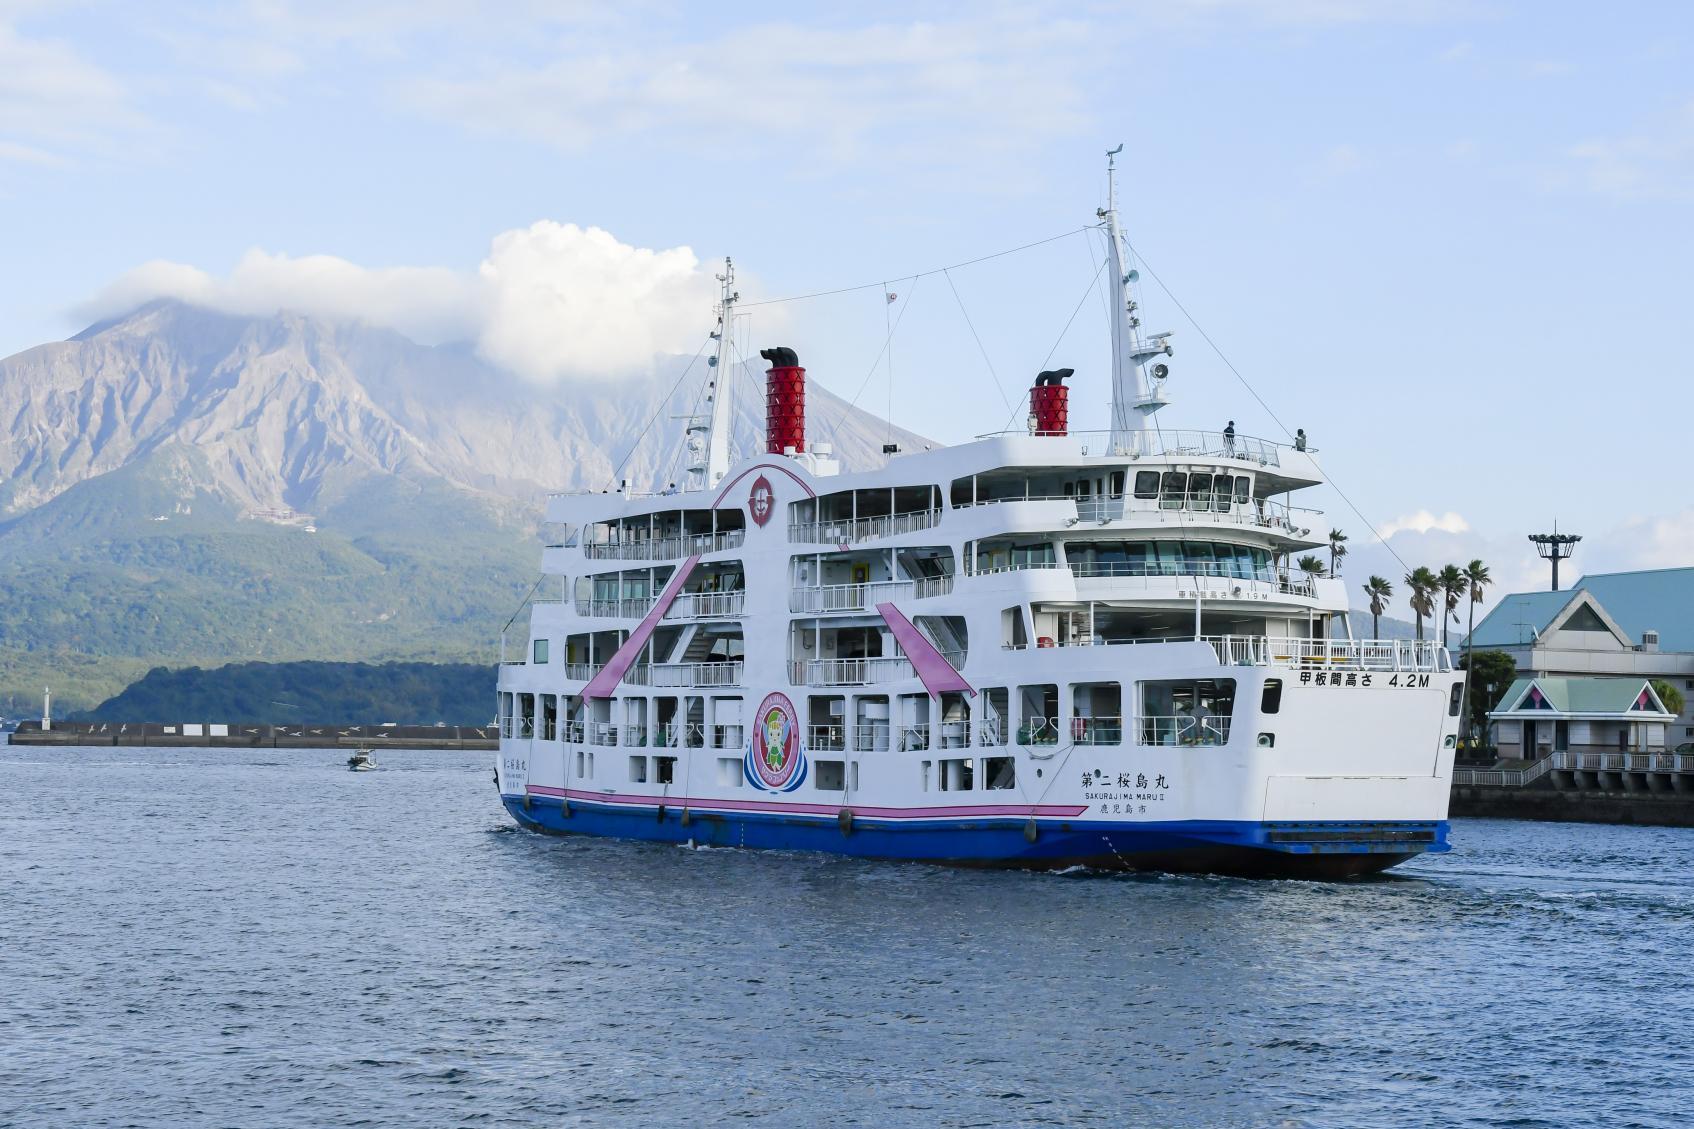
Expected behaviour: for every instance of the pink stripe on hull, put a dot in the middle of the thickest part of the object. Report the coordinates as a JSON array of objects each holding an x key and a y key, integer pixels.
[{"x": 706, "y": 803}]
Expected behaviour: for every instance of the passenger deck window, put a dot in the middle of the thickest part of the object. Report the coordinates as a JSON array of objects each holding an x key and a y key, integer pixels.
[
  {"x": 1271, "y": 700},
  {"x": 1146, "y": 484}
]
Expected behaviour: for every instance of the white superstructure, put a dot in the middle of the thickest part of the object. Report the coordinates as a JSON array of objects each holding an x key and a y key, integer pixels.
[{"x": 1039, "y": 648}]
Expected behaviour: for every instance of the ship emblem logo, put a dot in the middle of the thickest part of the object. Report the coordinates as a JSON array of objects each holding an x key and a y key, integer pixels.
[
  {"x": 775, "y": 761},
  {"x": 761, "y": 502}
]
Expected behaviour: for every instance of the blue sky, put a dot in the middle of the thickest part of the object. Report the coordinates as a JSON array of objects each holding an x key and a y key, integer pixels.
[{"x": 1449, "y": 239}]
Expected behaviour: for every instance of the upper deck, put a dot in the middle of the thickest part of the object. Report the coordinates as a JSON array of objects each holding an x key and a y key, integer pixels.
[{"x": 1274, "y": 469}]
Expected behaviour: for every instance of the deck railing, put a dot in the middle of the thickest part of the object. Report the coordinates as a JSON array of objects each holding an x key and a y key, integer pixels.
[
  {"x": 850, "y": 672},
  {"x": 843, "y": 531},
  {"x": 1284, "y": 583},
  {"x": 669, "y": 547},
  {"x": 687, "y": 605},
  {"x": 1097, "y": 730},
  {"x": 685, "y": 674},
  {"x": 826, "y": 737},
  {"x": 707, "y": 605},
  {"x": 913, "y": 738},
  {"x": 871, "y": 737},
  {"x": 1373, "y": 655},
  {"x": 1181, "y": 729},
  {"x": 861, "y": 597},
  {"x": 1149, "y": 444},
  {"x": 630, "y": 607}
]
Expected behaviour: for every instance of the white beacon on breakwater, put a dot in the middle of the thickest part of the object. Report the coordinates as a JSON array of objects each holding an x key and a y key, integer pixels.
[{"x": 1040, "y": 649}]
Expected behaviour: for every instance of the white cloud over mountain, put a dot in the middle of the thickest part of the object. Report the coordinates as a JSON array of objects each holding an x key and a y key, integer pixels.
[
  {"x": 550, "y": 301},
  {"x": 1423, "y": 521}
]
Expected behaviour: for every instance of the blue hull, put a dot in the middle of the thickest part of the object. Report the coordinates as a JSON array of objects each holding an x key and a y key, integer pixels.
[{"x": 1248, "y": 848}]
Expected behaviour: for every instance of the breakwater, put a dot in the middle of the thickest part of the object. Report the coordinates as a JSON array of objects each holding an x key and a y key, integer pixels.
[
  {"x": 1574, "y": 805},
  {"x": 214, "y": 735}
]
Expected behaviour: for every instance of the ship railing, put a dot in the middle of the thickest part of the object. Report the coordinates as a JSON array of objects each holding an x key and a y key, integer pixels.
[
  {"x": 581, "y": 672},
  {"x": 871, "y": 737},
  {"x": 953, "y": 733},
  {"x": 727, "y": 736},
  {"x": 1372, "y": 655},
  {"x": 1181, "y": 729},
  {"x": 668, "y": 547},
  {"x": 572, "y": 732},
  {"x": 635, "y": 735},
  {"x": 1016, "y": 566},
  {"x": 832, "y": 738},
  {"x": 847, "y": 597},
  {"x": 685, "y": 674},
  {"x": 707, "y": 605},
  {"x": 1152, "y": 444},
  {"x": 1102, "y": 730},
  {"x": 602, "y": 733},
  {"x": 851, "y": 672},
  {"x": 843, "y": 531},
  {"x": 913, "y": 738},
  {"x": 1283, "y": 583},
  {"x": 865, "y": 595},
  {"x": 1386, "y": 655},
  {"x": 991, "y": 731},
  {"x": 1102, "y": 509},
  {"x": 1039, "y": 731},
  {"x": 631, "y": 607}
]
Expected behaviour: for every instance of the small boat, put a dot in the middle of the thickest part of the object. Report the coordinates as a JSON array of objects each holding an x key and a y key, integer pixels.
[{"x": 361, "y": 760}]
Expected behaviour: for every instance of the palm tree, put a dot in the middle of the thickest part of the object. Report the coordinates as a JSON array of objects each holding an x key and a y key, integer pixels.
[
  {"x": 1337, "y": 550},
  {"x": 1378, "y": 589},
  {"x": 1311, "y": 566},
  {"x": 1453, "y": 588},
  {"x": 1422, "y": 584},
  {"x": 1476, "y": 576}
]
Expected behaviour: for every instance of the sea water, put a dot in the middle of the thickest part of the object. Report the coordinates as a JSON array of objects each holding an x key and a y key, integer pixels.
[{"x": 262, "y": 938}]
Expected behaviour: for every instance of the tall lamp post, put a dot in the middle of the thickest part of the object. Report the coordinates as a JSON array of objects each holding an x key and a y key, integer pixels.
[{"x": 1555, "y": 547}]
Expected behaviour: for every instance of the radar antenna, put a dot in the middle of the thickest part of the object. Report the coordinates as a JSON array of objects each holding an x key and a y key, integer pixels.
[
  {"x": 1136, "y": 395},
  {"x": 708, "y": 436}
]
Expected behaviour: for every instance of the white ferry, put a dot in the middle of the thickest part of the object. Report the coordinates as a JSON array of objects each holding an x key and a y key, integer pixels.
[{"x": 1043, "y": 649}]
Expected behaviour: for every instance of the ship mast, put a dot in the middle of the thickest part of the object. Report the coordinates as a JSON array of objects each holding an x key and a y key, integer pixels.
[
  {"x": 708, "y": 438},
  {"x": 1136, "y": 394}
]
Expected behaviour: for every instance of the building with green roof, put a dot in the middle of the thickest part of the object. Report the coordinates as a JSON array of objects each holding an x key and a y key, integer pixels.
[
  {"x": 1611, "y": 633},
  {"x": 1537, "y": 716}
]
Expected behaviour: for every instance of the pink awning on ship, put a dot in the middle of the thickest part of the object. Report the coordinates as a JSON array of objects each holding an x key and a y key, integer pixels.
[
  {"x": 606, "y": 681},
  {"x": 937, "y": 673}
]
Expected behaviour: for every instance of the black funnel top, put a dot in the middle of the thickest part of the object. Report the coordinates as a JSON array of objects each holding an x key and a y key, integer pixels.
[
  {"x": 780, "y": 357},
  {"x": 1053, "y": 376}
]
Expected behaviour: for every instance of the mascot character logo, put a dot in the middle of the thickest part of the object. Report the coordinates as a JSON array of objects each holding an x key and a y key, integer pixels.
[{"x": 775, "y": 761}]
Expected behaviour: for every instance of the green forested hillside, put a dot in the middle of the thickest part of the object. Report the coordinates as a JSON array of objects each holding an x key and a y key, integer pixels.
[
  {"x": 326, "y": 693},
  {"x": 95, "y": 590}
]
